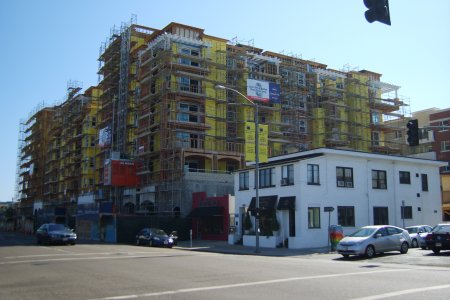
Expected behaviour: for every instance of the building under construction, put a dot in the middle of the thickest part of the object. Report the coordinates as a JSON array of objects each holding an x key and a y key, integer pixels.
[
  {"x": 117, "y": 115},
  {"x": 187, "y": 127},
  {"x": 156, "y": 129}
]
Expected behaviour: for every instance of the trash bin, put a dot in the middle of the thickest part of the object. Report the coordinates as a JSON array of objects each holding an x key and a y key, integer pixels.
[{"x": 336, "y": 234}]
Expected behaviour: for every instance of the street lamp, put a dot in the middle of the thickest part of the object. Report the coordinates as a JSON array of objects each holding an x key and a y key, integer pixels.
[{"x": 256, "y": 161}]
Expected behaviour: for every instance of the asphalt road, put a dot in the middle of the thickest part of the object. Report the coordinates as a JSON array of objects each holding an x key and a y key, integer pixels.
[{"x": 104, "y": 271}]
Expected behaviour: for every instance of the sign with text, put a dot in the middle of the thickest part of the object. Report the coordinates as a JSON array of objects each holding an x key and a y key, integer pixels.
[
  {"x": 250, "y": 146},
  {"x": 263, "y": 91}
]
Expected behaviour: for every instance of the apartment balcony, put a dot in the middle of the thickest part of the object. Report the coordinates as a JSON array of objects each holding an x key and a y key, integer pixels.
[{"x": 385, "y": 105}]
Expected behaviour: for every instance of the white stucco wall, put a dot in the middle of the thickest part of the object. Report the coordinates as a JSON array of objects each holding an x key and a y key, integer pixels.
[{"x": 426, "y": 205}]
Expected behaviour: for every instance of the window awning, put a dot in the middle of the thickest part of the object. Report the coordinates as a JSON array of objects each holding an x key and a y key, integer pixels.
[
  {"x": 265, "y": 203},
  {"x": 286, "y": 203},
  {"x": 207, "y": 211}
]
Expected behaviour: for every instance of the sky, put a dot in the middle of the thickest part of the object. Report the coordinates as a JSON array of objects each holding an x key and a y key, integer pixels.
[{"x": 46, "y": 44}]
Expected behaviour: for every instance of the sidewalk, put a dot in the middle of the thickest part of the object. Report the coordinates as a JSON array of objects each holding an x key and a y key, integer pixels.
[{"x": 225, "y": 248}]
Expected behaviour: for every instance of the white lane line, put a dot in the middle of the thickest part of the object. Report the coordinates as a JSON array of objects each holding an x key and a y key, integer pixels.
[
  {"x": 246, "y": 284},
  {"x": 83, "y": 258},
  {"x": 405, "y": 292},
  {"x": 81, "y": 254}
]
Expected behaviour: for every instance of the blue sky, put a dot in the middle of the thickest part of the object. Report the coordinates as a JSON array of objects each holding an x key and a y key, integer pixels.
[{"x": 47, "y": 43}]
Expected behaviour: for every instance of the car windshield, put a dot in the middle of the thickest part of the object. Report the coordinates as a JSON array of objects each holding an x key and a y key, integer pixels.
[
  {"x": 159, "y": 232},
  {"x": 412, "y": 229},
  {"x": 57, "y": 227},
  {"x": 363, "y": 232},
  {"x": 441, "y": 229}
]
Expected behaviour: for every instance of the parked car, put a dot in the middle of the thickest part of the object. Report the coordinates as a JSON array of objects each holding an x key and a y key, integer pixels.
[
  {"x": 370, "y": 240},
  {"x": 52, "y": 233},
  {"x": 418, "y": 234},
  {"x": 439, "y": 238},
  {"x": 153, "y": 237}
]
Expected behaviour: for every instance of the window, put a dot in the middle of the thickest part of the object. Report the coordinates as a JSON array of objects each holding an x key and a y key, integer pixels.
[
  {"x": 266, "y": 177},
  {"x": 406, "y": 212},
  {"x": 376, "y": 117},
  {"x": 183, "y": 139},
  {"x": 379, "y": 179},
  {"x": 190, "y": 52},
  {"x": 189, "y": 85},
  {"x": 375, "y": 138},
  {"x": 302, "y": 126},
  {"x": 301, "y": 79},
  {"x": 445, "y": 145},
  {"x": 287, "y": 175},
  {"x": 243, "y": 181},
  {"x": 392, "y": 230},
  {"x": 380, "y": 216},
  {"x": 344, "y": 177},
  {"x": 346, "y": 216},
  {"x": 313, "y": 174},
  {"x": 188, "y": 113},
  {"x": 398, "y": 134},
  {"x": 313, "y": 217},
  {"x": 404, "y": 177},
  {"x": 444, "y": 125},
  {"x": 424, "y": 182}
]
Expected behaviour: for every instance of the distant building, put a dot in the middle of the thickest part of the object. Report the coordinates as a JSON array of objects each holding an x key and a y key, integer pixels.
[{"x": 435, "y": 144}]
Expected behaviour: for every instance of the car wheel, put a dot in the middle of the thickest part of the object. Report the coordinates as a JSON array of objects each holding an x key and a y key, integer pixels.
[
  {"x": 370, "y": 251},
  {"x": 414, "y": 244},
  {"x": 404, "y": 248},
  {"x": 436, "y": 251}
]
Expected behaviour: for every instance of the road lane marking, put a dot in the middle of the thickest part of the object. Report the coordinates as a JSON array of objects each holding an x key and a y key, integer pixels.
[
  {"x": 246, "y": 284},
  {"x": 85, "y": 258},
  {"x": 86, "y": 253},
  {"x": 405, "y": 292}
]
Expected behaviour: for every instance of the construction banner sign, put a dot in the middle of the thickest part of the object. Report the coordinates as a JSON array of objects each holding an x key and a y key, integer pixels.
[{"x": 250, "y": 146}]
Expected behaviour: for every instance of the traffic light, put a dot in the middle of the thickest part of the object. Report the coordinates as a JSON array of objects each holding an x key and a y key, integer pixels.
[
  {"x": 378, "y": 11},
  {"x": 413, "y": 132}
]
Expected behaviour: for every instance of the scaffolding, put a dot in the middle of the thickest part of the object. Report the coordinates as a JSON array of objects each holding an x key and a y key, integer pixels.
[
  {"x": 156, "y": 105},
  {"x": 117, "y": 113},
  {"x": 182, "y": 123}
]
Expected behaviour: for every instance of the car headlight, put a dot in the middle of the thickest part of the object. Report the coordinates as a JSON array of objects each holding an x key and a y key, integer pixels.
[{"x": 170, "y": 240}]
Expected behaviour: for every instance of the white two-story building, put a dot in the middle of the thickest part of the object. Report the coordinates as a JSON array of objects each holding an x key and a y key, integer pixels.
[{"x": 311, "y": 190}]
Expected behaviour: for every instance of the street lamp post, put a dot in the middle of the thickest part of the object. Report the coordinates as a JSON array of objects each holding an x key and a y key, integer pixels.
[{"x": 255, "y": 105}]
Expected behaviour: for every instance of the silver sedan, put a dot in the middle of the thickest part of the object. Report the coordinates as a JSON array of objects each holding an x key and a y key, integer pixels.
[{"x": 370, "y": 240}]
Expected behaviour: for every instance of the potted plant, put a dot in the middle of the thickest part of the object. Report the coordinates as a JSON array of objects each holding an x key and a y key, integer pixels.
[
  {"x": 275, "y": 226},
  {"x": 247, "y": 223}
]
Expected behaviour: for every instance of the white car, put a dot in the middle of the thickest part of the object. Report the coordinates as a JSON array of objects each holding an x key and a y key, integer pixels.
[
  {"x": 370, "y": 240},
  {"x": 418, "y": 234}
]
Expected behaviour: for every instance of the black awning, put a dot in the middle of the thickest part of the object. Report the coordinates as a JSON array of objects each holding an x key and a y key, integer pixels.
[
  {"x": 286, "y": 203},
  {"x": 207, "y": 211},
  {"x": 265, "y": 203}
]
